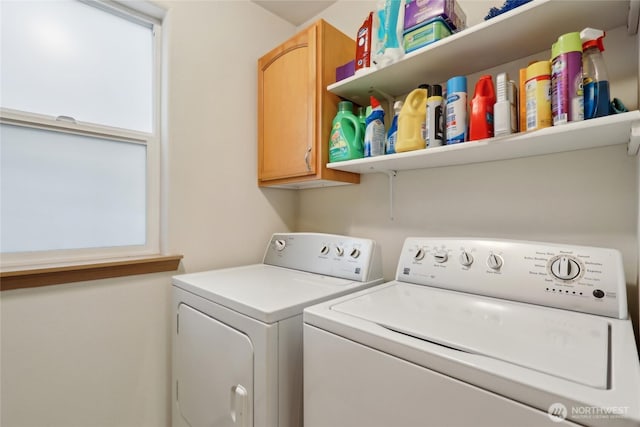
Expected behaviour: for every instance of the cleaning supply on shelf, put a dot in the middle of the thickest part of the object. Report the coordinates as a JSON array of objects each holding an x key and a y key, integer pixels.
[
  {"x": 362, "y": 118},
  {"x": 435, "y": 120},
  {"x": 412, "y": 116},
  {"x": 345, "y": 142},
  {"x": 363, "y": 45},
  {"x": 420, "y": 12},
  {"x": 538, "y": 93},
  {"x": 424, "y": 35},
  {"x": 522, "y": 100},
  {"x": 481, "y": 114},
  {"x": 505, "y": 115},
  {"x": 423, "y": 126},
  {"x": 566, "y": 79},
  {"x": 392, "y": 135},
  {"x": 389, "y": 35},
  {"x": 456, "y": 120},
  {"x": 595, "y": 80},
  {"x": 374, "y": 138}
]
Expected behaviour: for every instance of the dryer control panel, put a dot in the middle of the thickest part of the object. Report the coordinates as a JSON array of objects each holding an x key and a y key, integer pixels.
[
  {"x": 327, "y": 254},
  {"x": 579, "y": 278}
]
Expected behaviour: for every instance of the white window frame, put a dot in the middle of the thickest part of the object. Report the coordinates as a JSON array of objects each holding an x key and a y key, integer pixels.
[{"x": 139, "y": 11}]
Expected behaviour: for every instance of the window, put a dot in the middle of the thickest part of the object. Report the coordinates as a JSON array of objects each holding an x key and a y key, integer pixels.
[{"x": 79, "y": 132}]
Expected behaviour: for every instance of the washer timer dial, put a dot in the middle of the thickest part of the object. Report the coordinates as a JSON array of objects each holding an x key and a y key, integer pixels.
[{"x": 565, "y": 267}]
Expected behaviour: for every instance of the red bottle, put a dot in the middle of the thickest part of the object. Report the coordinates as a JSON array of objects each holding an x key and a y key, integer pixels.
[{"x": 481, "y": 114}]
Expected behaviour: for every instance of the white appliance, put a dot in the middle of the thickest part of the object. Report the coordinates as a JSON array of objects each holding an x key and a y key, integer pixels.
[
  {"x": 477, "y": 333},
  {"x": 237, "y": 338}
]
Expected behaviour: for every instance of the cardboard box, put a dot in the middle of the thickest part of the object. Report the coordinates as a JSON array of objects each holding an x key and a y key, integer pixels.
[{"x": 418, "y": 12}]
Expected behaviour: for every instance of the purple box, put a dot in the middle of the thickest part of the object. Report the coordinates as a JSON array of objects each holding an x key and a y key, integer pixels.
[
  {"x": 416, "y": 12},
  {"x": 346, "y": 70}
]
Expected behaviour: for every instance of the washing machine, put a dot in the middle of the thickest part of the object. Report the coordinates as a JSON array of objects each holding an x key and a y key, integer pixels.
[
  {"x": 237, "y": 336},
  {"x": 477, "y": 332}
]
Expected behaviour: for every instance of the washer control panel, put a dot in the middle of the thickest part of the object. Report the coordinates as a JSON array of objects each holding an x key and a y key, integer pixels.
[
  {"x": 327, "y": 254},
  {"x": 579, "y": 278}
]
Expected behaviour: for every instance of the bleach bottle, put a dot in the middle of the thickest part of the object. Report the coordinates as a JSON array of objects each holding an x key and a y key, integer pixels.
[
  {"x": 374, "y": 133},
  {"x": 410, "y": 121},
  {"x": 345, "y": 141},
  {"x": 595, "y": 81}
]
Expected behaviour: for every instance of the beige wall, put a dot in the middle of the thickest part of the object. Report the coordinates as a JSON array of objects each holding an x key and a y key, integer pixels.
[{"x": 97, "y": 353}]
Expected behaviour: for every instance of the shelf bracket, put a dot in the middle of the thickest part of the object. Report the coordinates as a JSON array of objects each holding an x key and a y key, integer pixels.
[
  {"x": 634, "y": 139},
  {"x": 391, "y": 174}
]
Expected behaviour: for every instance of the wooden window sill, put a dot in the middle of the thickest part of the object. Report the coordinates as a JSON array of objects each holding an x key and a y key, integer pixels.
[{"x": 32, "y": 277}]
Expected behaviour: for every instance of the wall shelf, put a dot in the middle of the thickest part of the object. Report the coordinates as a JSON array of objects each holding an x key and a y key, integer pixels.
[
  {"x": 604, "y": 131},
  {"x": 524, "y": 31}
]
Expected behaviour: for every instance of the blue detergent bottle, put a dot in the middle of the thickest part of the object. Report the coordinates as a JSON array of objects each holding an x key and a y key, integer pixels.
[
  {"x": 345, "y": 140},
  {"x": 595, "y": 81}
]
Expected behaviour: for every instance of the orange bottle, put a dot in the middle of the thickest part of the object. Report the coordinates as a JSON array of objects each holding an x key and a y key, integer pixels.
[{"x": 481, "y": 117}]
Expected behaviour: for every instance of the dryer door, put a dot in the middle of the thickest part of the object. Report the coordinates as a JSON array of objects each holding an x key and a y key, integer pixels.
[{"x": 214, "y": 372}]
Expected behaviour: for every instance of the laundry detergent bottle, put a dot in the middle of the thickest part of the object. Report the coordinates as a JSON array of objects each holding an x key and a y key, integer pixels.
[
  {"x": 346, "y": 138},
  {"x": 410, "y": 121},
  {"x": 481, "y": 114}
]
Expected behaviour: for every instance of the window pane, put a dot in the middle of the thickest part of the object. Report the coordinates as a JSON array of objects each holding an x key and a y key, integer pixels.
[
  {"x": 63, "y": 191},
  {"x": 66, "y": 58}
]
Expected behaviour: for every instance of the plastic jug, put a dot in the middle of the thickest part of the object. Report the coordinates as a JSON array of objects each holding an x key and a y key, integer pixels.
[
  {"x": 345, "y": 141},
  {"x": 481, "y": 116},
  {"x": 412, "y": 116}
]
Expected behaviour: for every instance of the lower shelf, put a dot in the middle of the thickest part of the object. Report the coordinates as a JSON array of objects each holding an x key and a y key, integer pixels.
[{"x": 604, "y": 131}]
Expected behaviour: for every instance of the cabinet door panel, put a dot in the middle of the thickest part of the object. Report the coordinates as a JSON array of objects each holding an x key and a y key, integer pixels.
[{"x": 288, "y": 111}]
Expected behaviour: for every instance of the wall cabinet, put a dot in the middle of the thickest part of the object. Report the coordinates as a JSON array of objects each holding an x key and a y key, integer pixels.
[
  {"x": 526, "y": 30},
  {"x": 295, "y": 110}
]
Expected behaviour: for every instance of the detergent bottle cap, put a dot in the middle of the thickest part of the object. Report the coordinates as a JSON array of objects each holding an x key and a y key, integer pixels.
[
  {"x": 345, "y": 106},
  {"x": 374, "y": 102},
  {"x": 592, "y": 37},
  {"x": 436, "y": 90}
]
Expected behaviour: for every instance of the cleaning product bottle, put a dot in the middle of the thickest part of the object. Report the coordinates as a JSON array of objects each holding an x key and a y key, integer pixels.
[
  {"x": 566, "y": 79},
  {"x": 423, "y": 127},
  {"x": 595, "y": 79},
  {"x": 345, "y": 142},
  {"x": 392, "y": 135},
  {"x": 481, "y": 117},
  {"x": 410, "y": 120},
  {"x": 362, "y": 118},
  {"x": 456, "y": 128},
  {"x": 538, "y": 93},
  {"x": 374, "y": 134},
  {"x": 435, "y": 128},
  {"x": 389, "y": 35},
  {"x": 505, "y": 112}
]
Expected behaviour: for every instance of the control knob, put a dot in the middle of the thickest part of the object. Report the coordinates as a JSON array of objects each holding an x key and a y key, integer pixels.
[
  {"x": 280, "y": 244},
  {"x": 494, "y": 262},
  {"x": 355, "y": 253},
  {"x": 466, "y": 259},
  {"x": 440, "y": 257},
  {"x": 339, "y": 250},
  {"x": 565, "y": 268},
  {"x": 324, "y": 250},
  {"x": 419, "y": 255}
]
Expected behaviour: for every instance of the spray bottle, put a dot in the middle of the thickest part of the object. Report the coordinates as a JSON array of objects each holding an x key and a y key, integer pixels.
[{"x": 595, "y": 80}]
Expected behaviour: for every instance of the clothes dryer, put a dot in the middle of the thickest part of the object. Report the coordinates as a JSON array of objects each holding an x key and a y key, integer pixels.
[
  {"x": 237, "y": 336},
  {"x": 477, "y": 333}
]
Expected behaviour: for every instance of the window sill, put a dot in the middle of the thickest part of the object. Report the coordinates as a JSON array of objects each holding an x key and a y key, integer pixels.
[{"x": 54, "y": 275}]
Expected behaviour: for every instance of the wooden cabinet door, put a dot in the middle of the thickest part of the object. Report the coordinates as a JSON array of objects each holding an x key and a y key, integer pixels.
[{"x": 287, "y": 109}]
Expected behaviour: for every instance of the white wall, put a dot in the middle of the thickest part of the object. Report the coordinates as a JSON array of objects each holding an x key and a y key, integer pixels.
[
  {"x": 97, "y": 353},
  {"x": 585, "y": 197}
]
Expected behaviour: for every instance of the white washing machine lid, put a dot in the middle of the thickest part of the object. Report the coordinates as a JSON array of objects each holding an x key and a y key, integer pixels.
[
  {"x": 265, "y": 292},
  {"x": 557, "y": 342}
]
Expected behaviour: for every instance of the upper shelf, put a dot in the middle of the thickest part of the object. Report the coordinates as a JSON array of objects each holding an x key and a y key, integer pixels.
[
  {"x": 521, "y": 32},
  {"x": 611, "y": 130}
]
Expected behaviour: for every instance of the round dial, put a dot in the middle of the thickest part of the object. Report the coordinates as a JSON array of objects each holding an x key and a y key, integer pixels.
[
  {"x": 280, "y": 244},
  {"x": 355, "y": 253},
  {"x": 419, "y": 254},
  {"x": 494, "y": 262},
  {"x": 466, "y": 259},
  {"x": 324, "y": 250},
  {"x": 565, "y": 268},
  {"x": 339, "y": 250},
  {"x": 440, "y": 257}
]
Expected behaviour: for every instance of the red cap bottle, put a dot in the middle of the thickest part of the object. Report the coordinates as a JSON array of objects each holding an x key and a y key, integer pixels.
[{"x": 481, "y": 116}]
